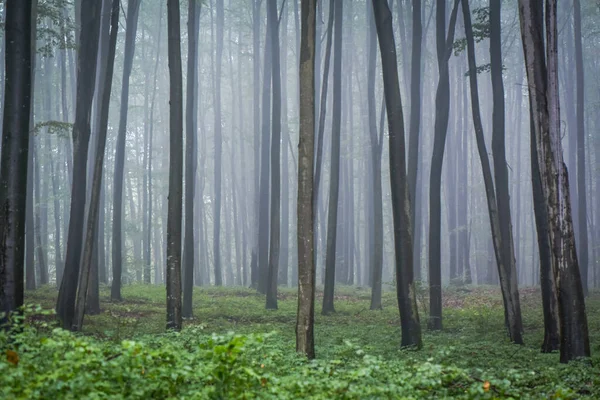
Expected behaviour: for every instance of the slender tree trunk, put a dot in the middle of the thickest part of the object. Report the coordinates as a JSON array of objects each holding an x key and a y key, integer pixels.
[
  {"x": 175, "y": 168},
  {"x": 405, "y": 287},
  {"x": 190, "y": 155},
  {"x": 305, "y": 342},
  {"x": 442, "y": 109},
  {"x": 218, "y": 145},
  {"x": 133, "y": 7}
]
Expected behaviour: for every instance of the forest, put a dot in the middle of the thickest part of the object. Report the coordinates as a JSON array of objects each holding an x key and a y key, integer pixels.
[{"x": 282, "y": 199}]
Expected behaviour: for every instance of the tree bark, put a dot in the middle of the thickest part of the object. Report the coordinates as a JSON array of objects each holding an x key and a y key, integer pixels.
[
  {"x": 405, "y": 287},
  {"x": 174, "y": 209},
  {"x": 305, "y": 342}
]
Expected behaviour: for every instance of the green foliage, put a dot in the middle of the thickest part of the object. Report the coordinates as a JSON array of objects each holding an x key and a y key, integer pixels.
[{"x": 125, "y": 354}]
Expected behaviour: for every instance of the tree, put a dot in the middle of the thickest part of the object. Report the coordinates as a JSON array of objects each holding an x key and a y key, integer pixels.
[
  {"x": 133, "y": 7},
  {"x": 334, "y": 178},
  {"x": 542, "y": 76},
  {"x": 581, "y": 186},
  {"x": 511, "y": 294},
  {"x": 376, "y": 143},
  {"x": 174, "y": 207},
  {"x": 86, "y": 61},
  {"x": 275, "y": 229},
  {"x": 92, "y": 219},
  {"x": 305, "y": 341},
  {"x": 442, "y": 110},
  {"x": 190, "y": 154},
  {"x": 218, "y": 146},
  {"x": 15, "y": 144},
  {"x": 512, "y": 310},
  {"x": 405, "y": 286}
]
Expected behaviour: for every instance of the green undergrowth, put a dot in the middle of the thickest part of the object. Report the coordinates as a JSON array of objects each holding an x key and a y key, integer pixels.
[{"x": 124, "y": 352}]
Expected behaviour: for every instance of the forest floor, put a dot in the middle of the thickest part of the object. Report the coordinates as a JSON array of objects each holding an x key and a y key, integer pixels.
[{"x": 125, "y": 353}]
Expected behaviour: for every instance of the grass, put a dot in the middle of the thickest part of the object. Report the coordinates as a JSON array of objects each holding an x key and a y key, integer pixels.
[{"x": 471, "y": 357}]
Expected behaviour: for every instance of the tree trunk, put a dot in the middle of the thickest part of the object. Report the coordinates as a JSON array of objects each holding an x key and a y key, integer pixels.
[
  {"x": 442, "y": 109},
  {"x": 86, "y": 61},
  {"x": 15, "y": 144},
  {"x": 175, "y": 169},
  {"x": 405, "y": 287},
  {"x": 305, "y": 342},
  {"x": 544, "y": 103},
  {"x": 93, "y": 211},
  {"x": 133, "y": 7},
  {"x": 190, "y": 155}
]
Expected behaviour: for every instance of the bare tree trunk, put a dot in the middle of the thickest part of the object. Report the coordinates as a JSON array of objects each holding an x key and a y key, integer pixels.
[
  {"x": 544, "y": 103},
  {"x": 190, "y": 155},
  {"x": 305, "y": 342},
  {"x": 133, "y": 7},
  {"x": 93, "y": 211},
  {"x": 405, "y": 287},
  {"x": 175, "y": 169},
  {"x": 86, "y": 61},
  {"x": 15, "y": 145}
]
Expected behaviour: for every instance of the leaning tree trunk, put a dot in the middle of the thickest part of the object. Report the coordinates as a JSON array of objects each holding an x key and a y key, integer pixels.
[
  {"x": 86, "y": 61},
  {"x": 334, "y": 179},
  {"x": 512, "y": 310},
  {"x": 15, "y": 145},
  {"x": 174, "y": 208},
  {"x": 405, "y": 286},
  {"x": 94, "y": 207},
  {"x": 543, "y": 93},
  {"x": 133, "y": 7},
  {"x": 305, "y": 341}
]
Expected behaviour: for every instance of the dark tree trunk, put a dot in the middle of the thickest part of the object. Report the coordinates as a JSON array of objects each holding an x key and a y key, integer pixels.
[
  {"x": 415, "y": 123},
  {"x": 542, "y": 76},
  {"x": 275, "y": 228},
  {"x": 305, "y": 342},
  {"x": 15, "y": 145},
  {"x": 405, "y": 287},
  {"x": 86, "y": 61},
  {"x": 92, "y": 219},
  {"x": 175, "y": 168},
  {"x": 334, "y": 177},
  {"x": 376, "y": 143},
  {"x": 133, "y": 7},
  {"x": 190, "y": 155},
  {"x": 442, "y": 109}
]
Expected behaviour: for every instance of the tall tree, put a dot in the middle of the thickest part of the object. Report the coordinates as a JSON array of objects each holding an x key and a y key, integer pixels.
[
  {"x": 133, "y": 7},
  {"x": 94, "y": 207},
  {"x": 305, "y": 341},
  {"x": 512, "y": 310},
  {"x": 582, "y": 243},
  {"x": 86, "y": 61},
  {"x": 542, "y": 76},
  {"x": 501, "y": 172},
  {"x": 190, "y": 153},
  {"x": 174, "y": 208},
  {"x": 275, "y": 229},
  {"x": 405, "y": 287},
  {"x": 376, "y": 143},
  {"x": 15, "y": 144},
  {"x": 415, "y": 121},
  {"x": 334, "y": 177},
  {"x": 442, "y": 110},
  {"x": 218, "y": 145}
]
